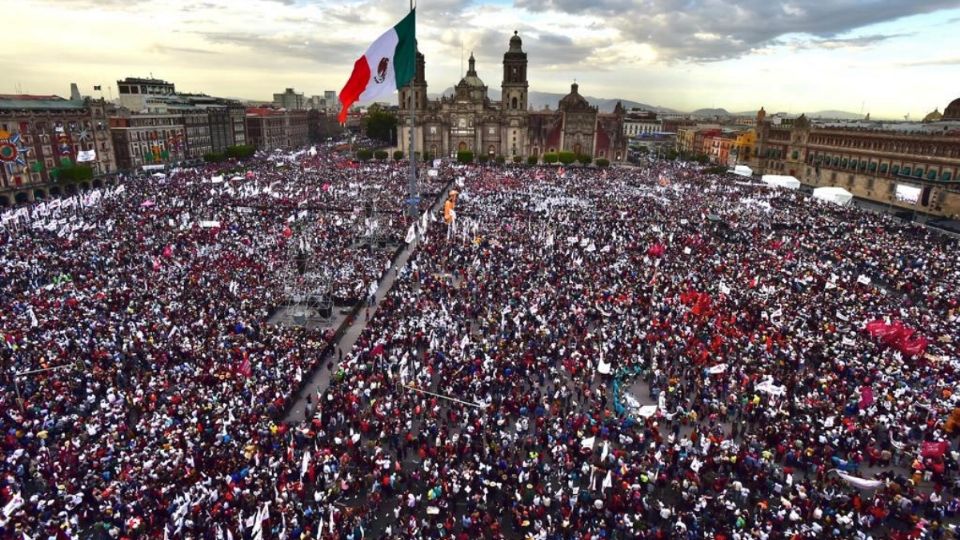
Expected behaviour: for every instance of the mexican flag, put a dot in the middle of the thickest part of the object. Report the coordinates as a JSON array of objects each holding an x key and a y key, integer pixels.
[{"x": 387, "y": 65}]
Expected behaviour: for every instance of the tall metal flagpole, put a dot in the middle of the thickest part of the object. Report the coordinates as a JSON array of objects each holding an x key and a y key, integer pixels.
[{"x": 413, "y": 199}]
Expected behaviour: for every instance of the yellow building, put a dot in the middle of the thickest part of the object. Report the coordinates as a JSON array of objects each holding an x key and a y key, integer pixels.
[{"x": 745, "y": 145}]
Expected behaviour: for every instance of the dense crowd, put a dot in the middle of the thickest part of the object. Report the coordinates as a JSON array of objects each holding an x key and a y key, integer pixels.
[
  {"x": 137, "y": 362},
  {"x": 784, "y": 368}
]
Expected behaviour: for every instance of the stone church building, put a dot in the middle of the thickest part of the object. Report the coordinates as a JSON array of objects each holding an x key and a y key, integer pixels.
[{"x": 469, "y": 120}]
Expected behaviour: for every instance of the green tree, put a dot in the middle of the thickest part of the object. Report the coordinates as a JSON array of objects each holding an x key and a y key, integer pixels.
[
  {"x": 566, "y": 158},
  {"x": 602, "y": 162},
  {"x": 240, "y": 151},
  {"x": 550, "y": 158},
  {"x": 501, "y": 160},
  {"x": 584, "y": 159},
  {"x": 397, "y": 155},
  {"x": 465, "y": 156},
  {"x": 381, "y": 155},
  {"x": 72, "y": 173},
  {"x": 380, "y": 125},
  {"x": 531, "y": 160},
  {"x": 483, "y": 158},
  {"x": 364, "y": 154},
  {"x": 517, "y": 159},
  {"x": 214, "y": 157}
]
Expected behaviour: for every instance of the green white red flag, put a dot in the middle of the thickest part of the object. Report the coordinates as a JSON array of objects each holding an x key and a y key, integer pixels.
[{"x": 388, "y": 64}]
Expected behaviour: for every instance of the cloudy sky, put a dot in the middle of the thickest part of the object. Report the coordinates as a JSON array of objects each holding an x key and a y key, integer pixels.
[{"x": 887, "y": 57}]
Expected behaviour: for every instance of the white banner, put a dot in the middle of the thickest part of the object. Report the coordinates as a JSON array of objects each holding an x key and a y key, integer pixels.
[{"x": 86, "y": 155}]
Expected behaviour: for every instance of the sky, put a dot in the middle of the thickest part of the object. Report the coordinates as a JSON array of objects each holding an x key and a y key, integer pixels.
[{"x": 886, "y": 57}]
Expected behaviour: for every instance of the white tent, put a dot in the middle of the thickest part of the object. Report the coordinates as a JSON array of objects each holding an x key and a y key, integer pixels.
[
  {"x": 776, "y": 180},
  {"x": 836, "y": 195},
  {"x": 743, "y": 170}
]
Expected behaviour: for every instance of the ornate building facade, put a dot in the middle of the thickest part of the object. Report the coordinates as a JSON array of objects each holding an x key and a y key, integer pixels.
[
  {"x": 470, "y": 120},
  {"x": 869, "y": 158}
]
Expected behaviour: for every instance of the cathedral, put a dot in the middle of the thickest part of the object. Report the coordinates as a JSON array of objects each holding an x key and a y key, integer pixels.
[{"x": 469, "y": 120}]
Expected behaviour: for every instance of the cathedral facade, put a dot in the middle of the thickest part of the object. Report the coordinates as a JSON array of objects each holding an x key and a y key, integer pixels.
[{"x": 470, "y": 120}]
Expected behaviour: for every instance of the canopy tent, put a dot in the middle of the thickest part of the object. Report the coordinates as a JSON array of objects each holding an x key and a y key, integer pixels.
[
  {"x": 743, "y": 170},
  {"x": 776, "y": 180},
  {"x": 836, "y": 195}
]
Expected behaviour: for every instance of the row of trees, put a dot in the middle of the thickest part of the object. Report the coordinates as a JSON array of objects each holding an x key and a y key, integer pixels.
[
  {"x": 239, "y": 151},
  {"x": 550, "y": 158},
  {"x": 466, "y": 156}
]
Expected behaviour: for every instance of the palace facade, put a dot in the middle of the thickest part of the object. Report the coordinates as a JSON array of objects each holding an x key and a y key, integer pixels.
[{"x": 870, "y": 158}]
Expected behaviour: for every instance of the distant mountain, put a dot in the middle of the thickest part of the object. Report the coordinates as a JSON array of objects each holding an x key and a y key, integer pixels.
[
  {"x": 539, "y": 100},
  {"x": 835, "y": 115},
  {"x": 711, "y": 112}
]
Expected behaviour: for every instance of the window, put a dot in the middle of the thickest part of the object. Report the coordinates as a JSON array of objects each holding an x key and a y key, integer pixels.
[
  {"x": 918, "y": 173},
  {"x": 945, "y": 176},
  {"x": 905, "y": 170},
  {"x": 895, "y": 169},
  {"x": 513, "y": 103},
  {"x": 883, "y": 168},
  {"x": 873, "y": 166}
]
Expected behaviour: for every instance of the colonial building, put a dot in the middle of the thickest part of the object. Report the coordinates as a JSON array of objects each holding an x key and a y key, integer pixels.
[
  {"x": 212, "y": 124},
  {"x": 149, "y": 139},
  {"x": 869, "y": 159},
  {"x": 270, "y": 129},
  {"x": 39, "y": 134},
  {"x": 470, "y": 120}
]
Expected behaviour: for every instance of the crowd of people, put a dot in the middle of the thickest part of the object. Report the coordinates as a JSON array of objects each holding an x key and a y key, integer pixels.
[{"x": 784, "y": 367}]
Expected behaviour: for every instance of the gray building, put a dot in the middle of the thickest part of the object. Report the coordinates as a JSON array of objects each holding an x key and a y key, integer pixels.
[{"x": 290, "y": 100}]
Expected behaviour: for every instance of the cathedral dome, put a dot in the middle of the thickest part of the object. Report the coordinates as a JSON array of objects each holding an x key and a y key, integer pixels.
[
  {"x": 952, "y": 112},
  {"x": 574, "y": 100},
  {"x": 934, "y": 116},
  {"x": 471, "y": 79}
]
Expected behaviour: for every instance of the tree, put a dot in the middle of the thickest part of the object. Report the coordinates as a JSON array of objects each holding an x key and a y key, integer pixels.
[
  {"x": 483, "y": 158},
  {"x": 531, "y": 160},
  {"x": 550, "y": 158},
  {"x": 602, "y": 162},
  {"x": 465, "y": 156},
  {"x": 566, "y": 158},
  {"x": 240, "y": 151},
  {"x": 214, "y": 157},
  {"x": 72, "y": 173},
  {"x": 364, "y": 154},
  {"x": 501, "y": 160},
  {"x": 584, "y": 159},
  {"x": 380, "y": 125},
  {"x": 381, "y": 155},
  {"x": 397, "y": 155},
  {"x": 517, "y": 159}
]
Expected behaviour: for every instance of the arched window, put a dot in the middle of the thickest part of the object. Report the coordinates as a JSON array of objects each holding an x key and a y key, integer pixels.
[{"x": 513, "y": 103}]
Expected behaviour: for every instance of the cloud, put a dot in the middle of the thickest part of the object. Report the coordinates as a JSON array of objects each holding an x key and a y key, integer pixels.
[
  {"x": 858, "y": 42},
  {"x": 712, "y": 30},
  {"x": 954, "y": 61},
  {"x": 174, "y": 51},
  {"x": 291, "y": 46}
]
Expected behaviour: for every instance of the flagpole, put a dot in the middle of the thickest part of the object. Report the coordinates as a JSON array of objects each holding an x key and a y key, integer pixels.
[{"x": 412, "y": 188}]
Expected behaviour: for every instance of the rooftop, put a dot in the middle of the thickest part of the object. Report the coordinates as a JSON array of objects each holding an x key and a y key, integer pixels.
[{"x": 28, "y": 101}]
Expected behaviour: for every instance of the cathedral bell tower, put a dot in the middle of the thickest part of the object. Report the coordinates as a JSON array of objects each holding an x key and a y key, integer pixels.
[
  {"x": 415, "y": 93},
  {"x": 514, "y": 87}
]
